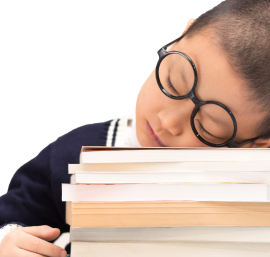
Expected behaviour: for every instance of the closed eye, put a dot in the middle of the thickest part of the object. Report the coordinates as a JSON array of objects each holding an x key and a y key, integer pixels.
[
  {"x": 204, "y": 130},
  {"x": 170, "y": 85}
]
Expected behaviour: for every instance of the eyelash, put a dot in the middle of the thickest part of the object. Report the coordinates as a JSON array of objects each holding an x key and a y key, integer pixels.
[
  {"x": 204, "y": 131},
  {"x": 170, "y": 84}
]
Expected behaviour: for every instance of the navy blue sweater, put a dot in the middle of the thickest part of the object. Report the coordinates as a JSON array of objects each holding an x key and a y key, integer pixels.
[{"x": 34, "y": 194}]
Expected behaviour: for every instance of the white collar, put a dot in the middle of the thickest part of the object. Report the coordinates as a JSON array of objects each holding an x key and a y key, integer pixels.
[
  {"x": 122, "y": 132},
  {"x": 132, "y": 136}
]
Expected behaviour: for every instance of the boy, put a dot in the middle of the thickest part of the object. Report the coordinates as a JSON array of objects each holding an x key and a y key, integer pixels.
[{"x": 210, "y": 88}]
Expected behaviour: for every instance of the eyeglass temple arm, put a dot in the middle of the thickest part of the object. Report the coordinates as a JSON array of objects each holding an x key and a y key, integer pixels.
[
  {"x": 176, "y": 40},
  {"x": 234, "y": 144}
]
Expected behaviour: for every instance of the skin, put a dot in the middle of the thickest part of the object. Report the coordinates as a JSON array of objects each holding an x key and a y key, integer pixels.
[
  {"x": 31, "y": 242},
  {"x": 217, "y": 81}
]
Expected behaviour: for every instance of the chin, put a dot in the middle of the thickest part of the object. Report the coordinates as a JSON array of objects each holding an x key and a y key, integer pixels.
[{"x": 144, "y": 140}]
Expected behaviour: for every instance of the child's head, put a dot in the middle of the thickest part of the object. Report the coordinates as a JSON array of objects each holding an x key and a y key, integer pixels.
[{"x": 230, "y": 47}]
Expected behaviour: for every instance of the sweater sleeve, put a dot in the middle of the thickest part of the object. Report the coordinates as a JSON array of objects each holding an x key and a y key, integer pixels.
[{"x": 29, "y": 199}]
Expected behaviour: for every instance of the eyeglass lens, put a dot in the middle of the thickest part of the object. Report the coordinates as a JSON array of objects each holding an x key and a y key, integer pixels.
[{"x": 212, "y": 122}]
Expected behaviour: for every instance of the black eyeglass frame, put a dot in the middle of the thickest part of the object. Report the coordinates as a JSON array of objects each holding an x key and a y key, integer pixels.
[{"x": 162, "y": 53}]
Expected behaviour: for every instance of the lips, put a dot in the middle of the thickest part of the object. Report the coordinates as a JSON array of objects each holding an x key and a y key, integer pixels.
[{"x": 152, "y": 134}]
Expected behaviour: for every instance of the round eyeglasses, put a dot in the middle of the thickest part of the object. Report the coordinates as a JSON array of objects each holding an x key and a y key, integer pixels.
[{"x": 212, "y": 122}]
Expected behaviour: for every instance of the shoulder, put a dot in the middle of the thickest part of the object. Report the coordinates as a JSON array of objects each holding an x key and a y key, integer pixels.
[
  {"x": 69, "y": 145},
  {"x": 94, "y": 134}
]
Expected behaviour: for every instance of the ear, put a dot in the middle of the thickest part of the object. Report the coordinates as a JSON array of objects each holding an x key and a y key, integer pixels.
[
  {"x": 261, "y": 143},
  {"x": 190, "y": 22}
]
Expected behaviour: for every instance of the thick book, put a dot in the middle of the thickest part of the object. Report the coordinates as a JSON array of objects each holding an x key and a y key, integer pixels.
[
  {"x": 153, "y": 214},
  {"x": 159, "y": 154},
  {"x": 77, "y": 210},
  {"x": 171, "y": 234},
  {"x": 174, "y": 249},
  {"x": 167, "y": 192},
  {"x": 167, "y": 213}
]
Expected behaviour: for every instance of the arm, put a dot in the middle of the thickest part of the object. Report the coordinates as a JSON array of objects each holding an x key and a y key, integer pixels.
[{"x": 29, "y": 200}]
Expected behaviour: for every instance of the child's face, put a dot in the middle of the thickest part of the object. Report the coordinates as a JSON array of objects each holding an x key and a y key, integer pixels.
[{"x": 161, "y": 121}]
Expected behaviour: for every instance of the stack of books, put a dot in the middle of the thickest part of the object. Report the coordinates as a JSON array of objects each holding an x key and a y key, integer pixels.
[{"x": 169, "y": 202}]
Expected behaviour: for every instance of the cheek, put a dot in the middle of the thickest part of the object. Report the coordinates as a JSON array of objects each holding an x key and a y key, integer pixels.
[
  {"x": 147, "y": 106},
  {"x": 149, "y": 98}
]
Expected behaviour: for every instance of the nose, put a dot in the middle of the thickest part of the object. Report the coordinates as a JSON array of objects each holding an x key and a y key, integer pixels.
[{"x": 176, "y": 118}]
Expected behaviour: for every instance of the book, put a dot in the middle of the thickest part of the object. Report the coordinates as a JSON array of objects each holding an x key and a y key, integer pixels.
[
  {"x": 155, "y": 177},
  {"x": 190, "y": 249},
  {"x": 176, "y": 207},
  {"x": 159, "y": 154},
  {"x": 170, "y": 219},
  {"x": 132, "y": 214},
  {"x": 192, "y": 166},
  {"x": 167, "y": 192},
  {"x": 82, "y": 214},
  {"x": 171, "y": 234},
  {"x": 233, "y": 206}
]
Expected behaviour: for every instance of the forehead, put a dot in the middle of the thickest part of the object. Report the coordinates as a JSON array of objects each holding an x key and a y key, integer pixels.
[{"x": 217, "y": 81}]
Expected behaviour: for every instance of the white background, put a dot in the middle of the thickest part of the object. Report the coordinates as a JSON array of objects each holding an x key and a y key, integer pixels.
[{"x": 64, "y": 64}]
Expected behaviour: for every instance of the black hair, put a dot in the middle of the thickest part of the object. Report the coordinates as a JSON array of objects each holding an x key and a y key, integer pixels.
[{"x": 242, "y": 29}]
